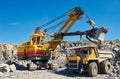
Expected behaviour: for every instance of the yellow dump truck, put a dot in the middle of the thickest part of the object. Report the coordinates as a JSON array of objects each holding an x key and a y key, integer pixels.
[{"x": 90, "y": 59}]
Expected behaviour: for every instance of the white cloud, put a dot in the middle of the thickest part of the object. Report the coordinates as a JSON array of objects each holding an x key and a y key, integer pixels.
[{"x": 14, "y": 23}]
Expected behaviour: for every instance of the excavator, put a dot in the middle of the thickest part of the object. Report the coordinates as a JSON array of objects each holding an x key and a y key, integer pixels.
[{"x": 39, "y": 49}]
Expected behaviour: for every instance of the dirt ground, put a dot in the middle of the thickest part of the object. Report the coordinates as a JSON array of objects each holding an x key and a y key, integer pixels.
[{"x": 49, "y": 74}]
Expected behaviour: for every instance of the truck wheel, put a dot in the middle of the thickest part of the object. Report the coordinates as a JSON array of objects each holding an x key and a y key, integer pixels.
[
  {"x": 93, "y": 69},
  {"x": 107, "y": 67}
]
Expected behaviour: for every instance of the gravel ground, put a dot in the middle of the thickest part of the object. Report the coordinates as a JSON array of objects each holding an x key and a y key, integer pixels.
[{"x": 48, "y": 74}]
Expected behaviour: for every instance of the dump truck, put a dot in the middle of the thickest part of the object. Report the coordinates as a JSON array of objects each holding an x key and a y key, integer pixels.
[{"x": 89, "y": 59}]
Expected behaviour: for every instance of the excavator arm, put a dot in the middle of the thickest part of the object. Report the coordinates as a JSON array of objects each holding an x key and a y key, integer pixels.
[{"x": 95, "y": 35}]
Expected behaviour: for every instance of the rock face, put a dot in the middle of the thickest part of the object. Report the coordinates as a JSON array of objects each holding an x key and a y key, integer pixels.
[
  {"x": 7, "y": 46},
  {"x": 1, "y": 57},
  {"x": 7, "y": 51}
]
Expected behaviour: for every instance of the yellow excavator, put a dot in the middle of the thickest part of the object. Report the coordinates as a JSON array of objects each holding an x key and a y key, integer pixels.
[{"x": 39, "y": 48}]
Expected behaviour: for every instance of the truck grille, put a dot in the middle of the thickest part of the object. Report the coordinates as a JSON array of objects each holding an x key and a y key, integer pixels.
[
  {"x": 73, "y": 61},
  {"x": 72, "y": 64}
]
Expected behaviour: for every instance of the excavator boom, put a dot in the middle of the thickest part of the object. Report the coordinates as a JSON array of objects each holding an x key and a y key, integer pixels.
[{"x": 73, "y": 16}]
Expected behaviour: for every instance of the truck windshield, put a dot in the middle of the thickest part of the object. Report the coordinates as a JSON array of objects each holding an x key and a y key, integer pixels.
[{"x": 84, "y": 51}]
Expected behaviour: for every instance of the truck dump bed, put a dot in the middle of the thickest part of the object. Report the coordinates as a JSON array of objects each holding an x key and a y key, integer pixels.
[{"x": 103, "y": 55}]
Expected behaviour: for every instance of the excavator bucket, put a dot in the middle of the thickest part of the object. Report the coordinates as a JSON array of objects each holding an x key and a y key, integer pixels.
[
  {"x": 96, "y": 35},
  {"x": 100, "y": 33}
]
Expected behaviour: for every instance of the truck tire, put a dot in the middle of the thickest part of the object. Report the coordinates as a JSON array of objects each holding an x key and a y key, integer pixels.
[
  {"x": 93, "y": 69},
  {"x": 106, "y": 67}
]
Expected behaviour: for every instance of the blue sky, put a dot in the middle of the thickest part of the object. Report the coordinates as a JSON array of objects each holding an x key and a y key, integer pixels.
[{"x": 19, "y": 18}]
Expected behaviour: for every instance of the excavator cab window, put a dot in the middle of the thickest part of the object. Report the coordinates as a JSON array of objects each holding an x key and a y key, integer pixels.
[
  {"x": 33, "y": 40},
  {"x": 43, "y": 41},
  {"x": 38, "y": 40}
]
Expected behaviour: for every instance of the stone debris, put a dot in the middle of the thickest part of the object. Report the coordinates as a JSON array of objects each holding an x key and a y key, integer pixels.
[
  {"x": 54, "y": 65},
  {"x": 4, "y": 68},
  {"x": 12, "y": 68},
  {"x": 61, "y": 61},
  {"x": 1, "y": 74},
  {"x": 116, "y": 72}
]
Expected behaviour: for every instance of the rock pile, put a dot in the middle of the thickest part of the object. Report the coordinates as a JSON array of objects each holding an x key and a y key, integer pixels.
[
  {"x": 115, "y": 73},
  {"x": 5, "y": 68}
]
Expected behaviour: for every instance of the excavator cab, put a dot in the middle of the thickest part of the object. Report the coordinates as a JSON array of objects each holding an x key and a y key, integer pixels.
[{"x": 38, "y": 40}]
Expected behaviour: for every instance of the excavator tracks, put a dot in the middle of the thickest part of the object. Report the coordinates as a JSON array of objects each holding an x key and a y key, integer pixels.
[{"x": 31, "y": 66}]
